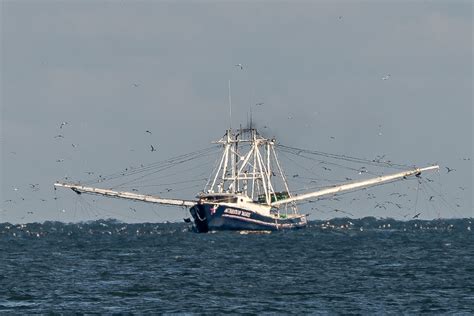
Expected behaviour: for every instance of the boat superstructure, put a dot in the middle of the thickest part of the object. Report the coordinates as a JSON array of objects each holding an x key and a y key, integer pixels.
[{"x": 248, "y": 189}]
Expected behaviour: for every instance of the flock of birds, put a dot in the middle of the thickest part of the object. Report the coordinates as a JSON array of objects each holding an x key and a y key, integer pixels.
[
  {"x": 381, "y": 205},
  {"x": 35, "y": 187}
]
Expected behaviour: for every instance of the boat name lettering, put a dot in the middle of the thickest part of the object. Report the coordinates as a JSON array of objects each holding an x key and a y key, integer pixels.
[{"x": 237, "y": 212}]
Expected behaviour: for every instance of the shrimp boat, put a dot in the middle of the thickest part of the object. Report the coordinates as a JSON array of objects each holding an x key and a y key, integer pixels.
[{"x": 248, "y": 189}]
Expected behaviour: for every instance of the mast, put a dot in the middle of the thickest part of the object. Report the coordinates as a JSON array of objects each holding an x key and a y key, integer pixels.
[
  {"x": 355, "y": 185},
  {"x": 125, "y": 195},
  {"x": 243, "y": 168}
]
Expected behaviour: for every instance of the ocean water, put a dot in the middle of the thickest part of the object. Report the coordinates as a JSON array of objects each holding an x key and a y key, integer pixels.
[{"x": 364, "y": 266}]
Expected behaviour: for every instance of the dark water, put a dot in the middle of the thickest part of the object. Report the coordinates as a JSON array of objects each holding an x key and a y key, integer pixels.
[{"x": 111, "y": 267}]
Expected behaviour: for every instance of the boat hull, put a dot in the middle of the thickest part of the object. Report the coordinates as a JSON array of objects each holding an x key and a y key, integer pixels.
[{"x": 209, "y": 217}]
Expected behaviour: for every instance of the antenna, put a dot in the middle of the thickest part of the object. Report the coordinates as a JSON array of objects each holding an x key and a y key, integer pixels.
[
  {"x": 250, "y": 116},
  {"x": 230, "y": 109}
]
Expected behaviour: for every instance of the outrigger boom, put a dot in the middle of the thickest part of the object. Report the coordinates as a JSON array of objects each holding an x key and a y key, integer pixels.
[
  {"x": 355, "y": 185},
  {"x": 153, "y": 199},
  {"x": 124, "y": 195}
]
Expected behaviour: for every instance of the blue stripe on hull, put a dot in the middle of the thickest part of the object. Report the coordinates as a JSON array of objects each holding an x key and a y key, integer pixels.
[{"x": 209, "y": 217}]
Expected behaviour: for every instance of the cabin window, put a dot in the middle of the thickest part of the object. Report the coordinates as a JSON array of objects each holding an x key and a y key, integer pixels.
[{"x": 221, "y": 199}]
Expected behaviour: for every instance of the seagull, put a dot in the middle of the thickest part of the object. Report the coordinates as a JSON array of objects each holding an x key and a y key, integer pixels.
[
  {"x": 62, "y": 124},
  {"x": 131, "y": 208},
  {"x": 89, "y": 172},
  {"x": 386, "y": 77},
  {"x": 431, "y": 198},
  {"x": 259, "y": 103},
  {"x": 59, "y": 136},
  {"x": 417, "y": 215},
  {"x": 73, "y": 145},
  {"x": 332, "y": 137},
  {"x": 135, "y": 85},
  {"x": 152, "y": 148},
  {"x": 340, "y": 17},
  {"x": 336, "y": 210},
  {"x": 148, "y": 132},
  {"x": 239, "y": 65},
  {"x": 450, "y": 169},
  {"x": 59, "y": 160},
  {"x": 326, "y": 168}
]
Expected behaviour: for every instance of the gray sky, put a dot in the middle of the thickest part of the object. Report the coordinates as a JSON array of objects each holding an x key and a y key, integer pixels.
[{"x": 321, "y": 63}]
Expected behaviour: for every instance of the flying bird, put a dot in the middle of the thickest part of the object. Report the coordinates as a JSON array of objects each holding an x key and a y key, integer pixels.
[
  {"x": 259, "y": 103},
  {"x": 135, "y": 85},
  {"x": 417, "y": 215},
  {"x": 152, "y": 148},
  {"x": 378, "y": 205},
  {"x": 148, "y": 132},
  {"x": 386, "y": 77},
  {"x": 62, "y": 124},
  {"x": 450, "y": 169},
  {"x": 59, "y": 136},
  {"x": 336, "y": 210},
  {"x": 431, "y": 198},
  {"x": 239, "y": 65}
]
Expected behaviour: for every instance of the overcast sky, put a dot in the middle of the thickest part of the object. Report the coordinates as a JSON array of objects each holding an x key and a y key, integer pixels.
[{"x": 114, "y": 69}]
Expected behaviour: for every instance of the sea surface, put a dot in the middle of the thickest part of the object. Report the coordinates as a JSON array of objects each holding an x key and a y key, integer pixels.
[{"x": 341, "y": 266}]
